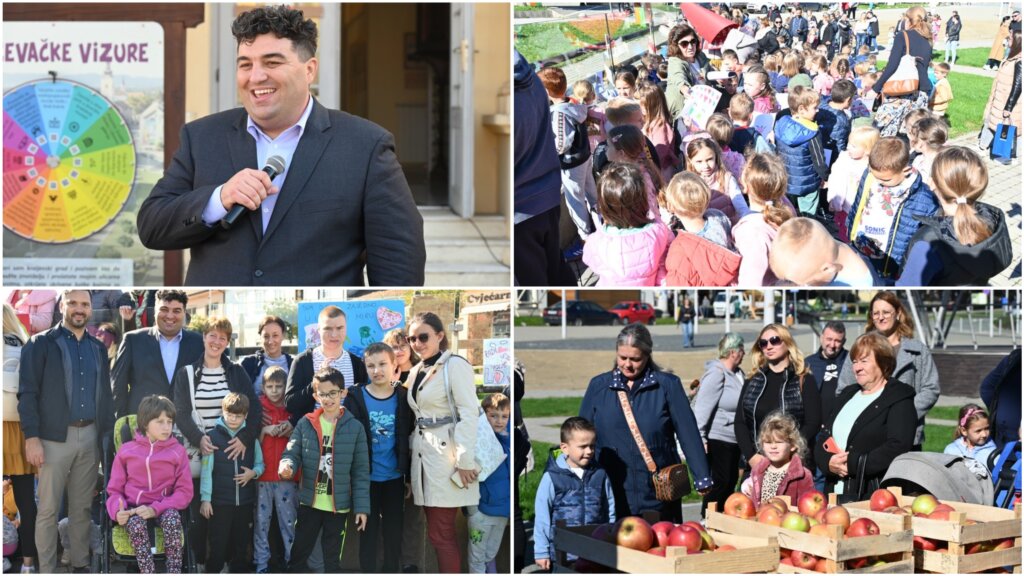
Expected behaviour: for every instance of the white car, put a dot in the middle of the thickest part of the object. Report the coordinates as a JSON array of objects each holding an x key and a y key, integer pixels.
[{"x": 719, "y": 304}]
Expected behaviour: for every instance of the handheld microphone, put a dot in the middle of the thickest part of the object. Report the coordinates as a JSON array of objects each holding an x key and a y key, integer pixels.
[{"x": 274, "y": 166}]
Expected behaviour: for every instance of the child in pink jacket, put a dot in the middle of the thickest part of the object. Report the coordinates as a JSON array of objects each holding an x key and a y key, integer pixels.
[
  {"x": 150, "y": 478},
  {"x": 764, "y": 180},
  {"x": 629, "y": 248}
]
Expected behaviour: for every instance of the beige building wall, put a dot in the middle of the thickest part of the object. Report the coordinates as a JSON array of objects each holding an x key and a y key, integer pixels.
[
  {"x": 490, "y": 81},
  {"x": 197, "y": 83}
]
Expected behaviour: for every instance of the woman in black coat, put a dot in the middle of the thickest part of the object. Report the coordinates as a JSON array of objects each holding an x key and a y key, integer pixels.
[{"x": 871, "y": 424}]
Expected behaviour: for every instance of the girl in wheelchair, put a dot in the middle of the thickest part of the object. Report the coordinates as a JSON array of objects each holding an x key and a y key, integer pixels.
[{"x": 150, "y": 479}]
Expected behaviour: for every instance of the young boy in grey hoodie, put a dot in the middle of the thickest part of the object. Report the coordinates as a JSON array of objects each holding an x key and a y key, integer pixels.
[{"x": 572, "y": 143}]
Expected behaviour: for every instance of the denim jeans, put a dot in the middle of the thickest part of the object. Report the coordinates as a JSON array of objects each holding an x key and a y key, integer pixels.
[
  {"x": 687, "y": 334},
  {"x": 951, "y": 46}
]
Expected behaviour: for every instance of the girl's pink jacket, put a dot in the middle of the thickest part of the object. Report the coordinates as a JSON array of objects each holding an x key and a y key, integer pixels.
[
  {"x": 152, "y": 474},
  {"x": 797, "y": 481},
  {"x": 628, "y": 257}
]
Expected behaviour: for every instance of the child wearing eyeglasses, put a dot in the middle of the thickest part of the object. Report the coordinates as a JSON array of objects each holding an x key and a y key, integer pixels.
[{"x": 329, "y": 447}]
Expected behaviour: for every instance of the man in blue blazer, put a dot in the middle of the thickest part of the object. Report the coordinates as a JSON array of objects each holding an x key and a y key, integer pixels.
[
  {"x": 342, "y": 203},
  {"x": 149, "y": 357}
]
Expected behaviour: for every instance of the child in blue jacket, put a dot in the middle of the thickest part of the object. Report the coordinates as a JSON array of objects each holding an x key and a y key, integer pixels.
[{"x": 488, "y": 521}]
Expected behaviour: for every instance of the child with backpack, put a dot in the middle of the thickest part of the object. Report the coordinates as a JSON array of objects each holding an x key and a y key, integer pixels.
[
  {"x": 972, "y": 438},
  {"x": 151, "y": 478},
  {"x": 568, "y": 122}
]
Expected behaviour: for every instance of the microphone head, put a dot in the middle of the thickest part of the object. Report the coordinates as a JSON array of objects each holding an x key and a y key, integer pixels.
[{"x": 277, "y": 163}]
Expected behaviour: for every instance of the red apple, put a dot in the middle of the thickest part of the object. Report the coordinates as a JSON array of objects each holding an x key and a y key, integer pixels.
[
  {"x": 795, "y": 521},
  {"x": 922, "y": 543},
  {"x": 862, "y": 527},
  {"x": 855, "y": 563},
  {"x": 803, "y": 560},
  {"x": 821, "y": 565},
  {"x": 784, "y": 552},
  {"x": 945, "y": 507},
  {"x": 708, "y": 544},
  {"x": 769, "y": 515},
  {"x": 657, "y": 551},
  {"x": 786, "y": 561},
  {"x": 604, "y": 533},
  {"x": 820, "y": 530},
  {"x": 924, "y": 504},
  {"x": 685, "y": 536},
  {"x": 739, "y": 505},
  {"x": 779, "y": 504},
  {"x": 725, "y": 548},
  {"x": 811, "y": 503},
  {"x": 940, "y": 515},
  {"x": 882, "y": 499},
  {"x": 1004, "y": 544},
  {"x": 838, "y": 515},
  {"x": 634, "y": 532},
  {"x": 661, "y": 530},
  {"x": 979, "y": 547},
  {"x": 896, "y": 510}
]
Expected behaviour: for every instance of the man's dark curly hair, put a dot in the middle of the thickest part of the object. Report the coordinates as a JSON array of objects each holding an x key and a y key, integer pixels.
[{"x": 280, "y": 21}]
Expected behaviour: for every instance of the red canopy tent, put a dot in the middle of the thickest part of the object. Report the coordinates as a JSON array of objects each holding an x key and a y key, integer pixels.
[{"x": 708, "y": 25}]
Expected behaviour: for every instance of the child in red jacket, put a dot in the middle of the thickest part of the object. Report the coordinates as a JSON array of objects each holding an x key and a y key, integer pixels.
[
  {"x": 151, "y": 478},
  {"x": 777, "y": 469},
  {"x": 272, "y": 490}
]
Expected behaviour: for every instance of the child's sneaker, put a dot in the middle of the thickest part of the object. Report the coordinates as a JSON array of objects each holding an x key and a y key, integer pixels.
[
  {"x": 574, "y": 251},
  {"x": 28, "y": 569}
]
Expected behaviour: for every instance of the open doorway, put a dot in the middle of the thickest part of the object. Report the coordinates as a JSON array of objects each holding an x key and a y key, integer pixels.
[{"x": 395, "y": 72}]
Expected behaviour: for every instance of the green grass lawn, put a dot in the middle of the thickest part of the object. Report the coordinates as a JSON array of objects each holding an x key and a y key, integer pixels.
[
  {"x": 944, "y": 413},
  {"x": 543, "y": 407},
  {"x": 970, "y": 94},
  {"x": 975, "y": 57}
]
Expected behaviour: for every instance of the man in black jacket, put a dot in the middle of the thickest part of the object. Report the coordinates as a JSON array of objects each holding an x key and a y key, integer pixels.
[
  {"x": 66, "y": 411},
  {"x": 826, "y": 363},
  {"x": 149, "y": 357}
]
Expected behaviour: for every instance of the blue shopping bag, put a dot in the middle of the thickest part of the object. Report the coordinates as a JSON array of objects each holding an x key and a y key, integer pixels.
[{"x": 1004, "y": 143}]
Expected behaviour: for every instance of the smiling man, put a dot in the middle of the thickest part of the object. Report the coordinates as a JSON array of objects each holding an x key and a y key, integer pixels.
[
  {"x": 341, "y": 204},
  {"x": 149, "y": 357}
]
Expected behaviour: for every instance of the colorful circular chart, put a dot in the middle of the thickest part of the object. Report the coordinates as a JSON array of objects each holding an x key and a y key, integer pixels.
[{"x": 69, "y": 161}]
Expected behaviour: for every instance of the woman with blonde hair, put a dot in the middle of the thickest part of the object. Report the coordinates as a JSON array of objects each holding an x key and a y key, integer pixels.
[
  {"x": 914, "y": 364},
  {"x": 968, "y": 242},
  {"x": 916, "y": 40},
  {"x": 16, "y": 465},
  {"x": 779, "y": 380}
]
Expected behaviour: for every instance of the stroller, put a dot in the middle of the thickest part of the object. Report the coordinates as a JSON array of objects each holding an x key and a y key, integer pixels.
[
  {"x": 116, "y": 543},
  {"x": 945, "y": 476}
]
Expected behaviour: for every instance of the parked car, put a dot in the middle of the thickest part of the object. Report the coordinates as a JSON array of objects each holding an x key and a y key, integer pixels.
[
  {"x": 579, "y": 313},
  {"x": 630, "y": 311},
  {"x": 719, "y": 304}
]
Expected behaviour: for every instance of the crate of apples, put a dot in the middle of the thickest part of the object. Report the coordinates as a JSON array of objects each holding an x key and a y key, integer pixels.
[
  {"x": 953, "y": 538},
  {"x": 634, "y": 545},
  {"x": 817, "y": 535}
]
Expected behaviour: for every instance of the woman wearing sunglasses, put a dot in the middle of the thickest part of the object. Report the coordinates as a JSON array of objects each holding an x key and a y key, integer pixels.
[
  {"x": 663, "y": 417},
  {"x": 872, "y": 423},
  {"x": 442, "y": 394},
  {"x": 687, "y": 66},
  {"x": 914, "y": 364},
  {"x": 782, "y": 381}
]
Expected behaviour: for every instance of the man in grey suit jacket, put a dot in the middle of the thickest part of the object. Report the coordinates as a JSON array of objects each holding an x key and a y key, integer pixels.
[
  {"x": 341, "y": 204},
  {"x": 149, "y": 357}
]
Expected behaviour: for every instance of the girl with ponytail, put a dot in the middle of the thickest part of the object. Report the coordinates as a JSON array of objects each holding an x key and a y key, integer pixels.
[
  {"x": 764, "y": 179},
  {"x": 965, "y": 244}
]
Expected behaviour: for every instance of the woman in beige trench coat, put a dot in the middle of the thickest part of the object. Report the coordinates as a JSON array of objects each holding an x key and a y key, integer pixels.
[{"x": 443, "y": 443}]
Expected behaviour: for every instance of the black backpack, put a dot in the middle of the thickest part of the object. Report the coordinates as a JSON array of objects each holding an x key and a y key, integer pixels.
[{"x": 579, "y": 152}]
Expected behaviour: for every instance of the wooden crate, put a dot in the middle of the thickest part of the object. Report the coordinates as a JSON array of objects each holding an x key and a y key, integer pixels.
[
  {"x": 895, "y": 537},
  {"x": 991, "y": 523},
  {"x": 752, "y": 554}
]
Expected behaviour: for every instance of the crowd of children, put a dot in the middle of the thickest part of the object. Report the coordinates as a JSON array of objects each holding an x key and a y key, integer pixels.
[
  {"x": 349, "y": 457},
  {"x": 791, "y": 136}
]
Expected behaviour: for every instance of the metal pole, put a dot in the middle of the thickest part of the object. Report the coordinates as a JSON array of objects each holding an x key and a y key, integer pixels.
[
  {"x": 563, "y": 315},
  {"x": 728, "y": 310},
  {"x": 608, "y": 36},
  {"x": 991, "y": 313},
  {"x": 785, "y": 311},
  {"x": 696, "y": 316},
  {"x": 917, "y": 318}
]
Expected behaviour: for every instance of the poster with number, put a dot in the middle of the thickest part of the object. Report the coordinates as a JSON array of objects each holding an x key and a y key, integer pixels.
[
  {"x": 497, "y": 362},
  {"x": 83, "y": 146},
  {"x": 366, "y": 322}
]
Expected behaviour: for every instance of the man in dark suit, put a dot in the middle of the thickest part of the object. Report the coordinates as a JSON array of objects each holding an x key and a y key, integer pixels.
[
  {"x": 341, "y": 204},
  {"x": 65, "y": 409},
  {"x": 149, "y": 357}
]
